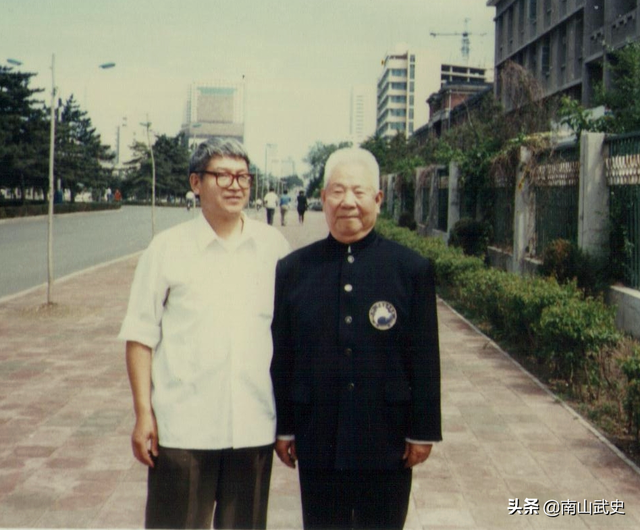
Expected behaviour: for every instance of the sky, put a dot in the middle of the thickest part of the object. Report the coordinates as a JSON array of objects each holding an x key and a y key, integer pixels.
[{"x": 299, "y": 58}]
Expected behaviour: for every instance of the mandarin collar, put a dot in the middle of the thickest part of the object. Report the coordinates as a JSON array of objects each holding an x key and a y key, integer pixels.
[{"x": 354, "y": 247}]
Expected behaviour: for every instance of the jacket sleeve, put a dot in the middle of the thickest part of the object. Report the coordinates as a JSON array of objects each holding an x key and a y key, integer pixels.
[
  {"x": 282, "y": 363},
  {"x": 424, "y": 360}
]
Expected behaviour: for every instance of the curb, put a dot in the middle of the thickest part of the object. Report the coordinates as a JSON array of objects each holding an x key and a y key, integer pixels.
[{"x": 68, "y": 277}]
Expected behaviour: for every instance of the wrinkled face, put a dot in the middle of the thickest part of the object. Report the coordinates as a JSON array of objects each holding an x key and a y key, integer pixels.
[
  {"x": 215, "y": 200},
  {"x": 350, "y": 202}
]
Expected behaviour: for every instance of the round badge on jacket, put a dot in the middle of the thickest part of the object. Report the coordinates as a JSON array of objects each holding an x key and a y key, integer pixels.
[{"x": 383, "y": 315}]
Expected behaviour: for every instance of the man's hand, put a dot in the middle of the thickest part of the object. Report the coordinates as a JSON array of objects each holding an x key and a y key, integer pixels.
[
  {"x": 286, "y": 451},
  {"x": 144, "y": 439},
  {"x": 416, "y": 453}
]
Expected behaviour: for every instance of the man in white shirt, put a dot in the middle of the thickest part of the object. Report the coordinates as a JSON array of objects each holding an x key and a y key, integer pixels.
[
  {"x": 198, "y": 353},
  {"x": 270, "y": 203}
]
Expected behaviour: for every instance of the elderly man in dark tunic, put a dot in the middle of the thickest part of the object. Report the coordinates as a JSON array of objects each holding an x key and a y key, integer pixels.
[{"x": 356, "y": 367}]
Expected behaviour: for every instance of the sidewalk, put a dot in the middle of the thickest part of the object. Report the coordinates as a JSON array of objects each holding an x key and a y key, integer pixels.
[{"x": 66, "y": 417}]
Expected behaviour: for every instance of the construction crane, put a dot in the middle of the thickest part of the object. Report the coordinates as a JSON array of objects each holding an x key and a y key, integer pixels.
[{"x": 466, "y": 42}]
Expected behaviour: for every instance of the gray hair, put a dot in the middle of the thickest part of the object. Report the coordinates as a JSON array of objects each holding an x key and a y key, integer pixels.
[
  {"x": 353, "y": 155},
  {"x": 216, "y": 147}
]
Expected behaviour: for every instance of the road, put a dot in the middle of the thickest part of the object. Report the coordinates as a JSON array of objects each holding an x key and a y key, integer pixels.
[
  {"x": 80, "y": 241},
  {"x": 87, "y": 239}
]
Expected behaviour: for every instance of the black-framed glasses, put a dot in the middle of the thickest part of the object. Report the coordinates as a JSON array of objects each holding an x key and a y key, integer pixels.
[{"x": 225, "y": 180}]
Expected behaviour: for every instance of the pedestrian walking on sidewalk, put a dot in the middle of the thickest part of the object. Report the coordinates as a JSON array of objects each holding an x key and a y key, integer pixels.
[
  {"x": 302, "y": 206},
  {"x": 356, "y": 367},
  {"x": 270, "y": 204},
  {"x": 285, "y": 204},
  {"x": 198, "y": 353}
]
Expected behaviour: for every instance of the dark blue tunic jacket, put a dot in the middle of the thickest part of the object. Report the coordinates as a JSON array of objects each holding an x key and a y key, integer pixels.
[{"x": 356, "y": 362}]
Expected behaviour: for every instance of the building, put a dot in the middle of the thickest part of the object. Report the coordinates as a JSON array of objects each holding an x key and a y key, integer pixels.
[
  {"x": 450, "y": 107},
  {"x": 407, "y": 80},
  {"x": 215, "y": 109},
  {"x": 362, "y": 116},
  {"x": 563, "y": 43}
]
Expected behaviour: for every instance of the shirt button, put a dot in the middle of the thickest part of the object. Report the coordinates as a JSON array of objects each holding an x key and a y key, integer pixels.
[
  {"x": 350, "y": 387},
  {"x": 348, "y": 287},
  {"x": 348, "y": 352},
  {"x": 350, "y": 259},
  {"x": 348, "y": 319}
]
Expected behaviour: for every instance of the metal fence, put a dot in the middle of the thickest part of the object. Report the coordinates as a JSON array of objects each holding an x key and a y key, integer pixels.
[
  {"x": 556, "y": 191},
  {"x": 622, "y": 170},
  {"x": 443, "y": 198},
  {"x": 424, "y": 191}
]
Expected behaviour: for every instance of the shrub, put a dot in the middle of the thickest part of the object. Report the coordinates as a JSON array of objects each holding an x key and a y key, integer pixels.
[
  {"x": 472, "y": 236},
  {"x": 406, "y": 220},
  {"x": 566, "y": 262},
  {"x": 631, "y": 369},
  {"x": 552, "y": 322},
  {"x": 572, "y": 332}
]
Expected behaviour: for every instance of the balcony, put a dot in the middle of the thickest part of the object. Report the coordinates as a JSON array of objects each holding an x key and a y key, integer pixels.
[{"x": 623, "y": 29}]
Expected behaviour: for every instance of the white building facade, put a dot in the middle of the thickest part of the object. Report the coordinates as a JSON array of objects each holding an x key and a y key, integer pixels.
[
  {"x": 215, "y": 109},
  {"x": 362, "y": 115},
  {"x": 409, "y": 76}
]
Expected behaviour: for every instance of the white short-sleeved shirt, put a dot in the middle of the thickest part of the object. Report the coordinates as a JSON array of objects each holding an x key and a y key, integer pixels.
[{"x": 205, "y": 305}]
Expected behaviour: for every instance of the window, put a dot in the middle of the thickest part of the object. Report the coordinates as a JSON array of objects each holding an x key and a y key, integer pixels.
[
  {"x": 562, "y": 54},
  {"x": 411, "y": 86},
  {"x": 546, "y": 56},
  {"x": 521, "y": 18},
  {"x": 533, "y": 15},
  {"x": 412, "y": 71},
  {"x": 547, "y": 13}
]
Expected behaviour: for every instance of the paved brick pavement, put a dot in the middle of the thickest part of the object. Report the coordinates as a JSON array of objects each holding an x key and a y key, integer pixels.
[{"x": 65, "y": 420}]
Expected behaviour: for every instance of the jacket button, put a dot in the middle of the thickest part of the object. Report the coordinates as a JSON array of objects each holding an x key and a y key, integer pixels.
[
  {"x": 350, "y": 387},
  {"x": 348, "y": 287},
  {"x": 350, "y": 259},
  {"x": 348, "y": 352},
  {"x": 348, "y": 319}
]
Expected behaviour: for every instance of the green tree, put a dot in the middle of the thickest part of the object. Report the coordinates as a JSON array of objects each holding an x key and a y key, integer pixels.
[
  {"x": 171, "y": 157},
  {"x": 292, "y": 181},
  {"x": 80, "y": 156},
  {"x": 24, "y": 138},
  {"x": 172, "y": 162},
  {"x": 623, "y": 99},
  {"x": 317, "y": 158}
]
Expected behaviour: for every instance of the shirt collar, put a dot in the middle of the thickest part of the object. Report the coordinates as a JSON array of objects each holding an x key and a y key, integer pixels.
[{"x": 205, "y": 235}]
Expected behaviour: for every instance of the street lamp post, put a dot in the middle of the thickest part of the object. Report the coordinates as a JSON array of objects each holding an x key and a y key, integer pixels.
[
  {"x": 52, "y": 145},
  {"x": 147, "y": 125}
]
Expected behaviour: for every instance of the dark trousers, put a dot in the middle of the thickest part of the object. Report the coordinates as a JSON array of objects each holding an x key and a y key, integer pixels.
[
  {"x": 354, "y": 499},
  {"x": 270, "y": 213},
  {"x": 193, "y": 488}
]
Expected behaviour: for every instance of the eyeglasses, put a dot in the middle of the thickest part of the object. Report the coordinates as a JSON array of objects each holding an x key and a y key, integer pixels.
[{"x": 225, "y": 180}]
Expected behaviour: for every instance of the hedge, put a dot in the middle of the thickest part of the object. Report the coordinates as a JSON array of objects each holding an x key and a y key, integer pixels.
[
  {"x": 564, "y": 329},
  {"x": 28, "y": 210}
]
